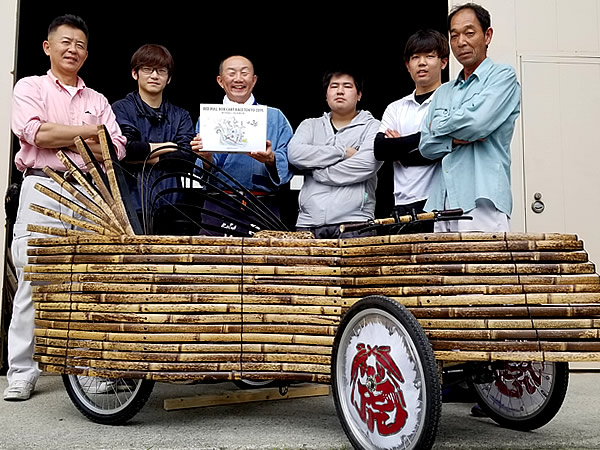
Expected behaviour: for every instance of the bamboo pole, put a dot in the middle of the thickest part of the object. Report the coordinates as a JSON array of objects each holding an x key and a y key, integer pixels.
[
  {"x": 472, "y": 269},
  {"x": 227, "y": 325},
  {"x": 458, "y": 269},
  {"x": 225, "y": 269},
  {"x": 458, "y": 279},
  {"x": 455, "y": 246},
  {"x": 513, "y": 334},
  {"x": 43, "y": 295},
  {"x": 517, "y": 356},
  {"x": 465, "y": 289},
  {"x": 495, "y": 346},
  {"x": 186, "y": 258},
  {"x": 164, "y": 357},
  {"x": 119, "y": 207},
  {"x": 199, "y": 308},
  {"x": 55, "y": 230},
  {"x": 91, "y": 190},
  {"x": 508, "y": 311},
  {"x": 155, "y": 366},
  {"x": 79, "y": 196},
  {"x": 474, "y": 257},
  {"x": 85, "y": 213},
  {"x": 193, "y": 337},
  {"x": 258, "y": 293},
  {"x": 65, "y": 218},
  {"x": 84, "y": 152},
  {"x": 176, "y": 246},
  {"x": 537, "y": 324},
  {"x": 208, "y": 348}
]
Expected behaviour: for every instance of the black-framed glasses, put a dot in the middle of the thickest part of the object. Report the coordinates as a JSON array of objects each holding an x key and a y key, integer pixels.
[{"x": 148, "y": 71}]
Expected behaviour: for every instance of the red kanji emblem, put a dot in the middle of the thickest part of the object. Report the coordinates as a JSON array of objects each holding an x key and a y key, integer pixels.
[
  {"x": 381, "y": 400},
  {"x": 516, "y": 378}
]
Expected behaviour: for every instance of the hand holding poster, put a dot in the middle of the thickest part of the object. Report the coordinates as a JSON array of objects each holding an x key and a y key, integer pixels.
[{"x": 233, "y": 128}]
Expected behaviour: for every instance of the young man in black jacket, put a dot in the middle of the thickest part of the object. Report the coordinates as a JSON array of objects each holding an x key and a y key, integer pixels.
[{"x": 425, "y": 56}]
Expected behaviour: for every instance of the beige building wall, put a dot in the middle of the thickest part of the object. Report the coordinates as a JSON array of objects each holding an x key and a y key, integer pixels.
[{"x": 8, "y": 35}]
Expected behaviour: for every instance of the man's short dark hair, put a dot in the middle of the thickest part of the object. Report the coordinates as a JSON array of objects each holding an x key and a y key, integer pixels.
[
  {"x": 241, "y": 56},
  {"x": 70, "y": 20},
  {"x": 358, "y": 81},
  {"x": 152, "y": 55},
  {"x": 426, "y": 41},
  {"x": 482, "y": 14}
]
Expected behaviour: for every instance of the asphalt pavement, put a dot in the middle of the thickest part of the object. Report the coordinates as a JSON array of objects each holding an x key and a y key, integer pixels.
[{"x": 50, "y": 421}]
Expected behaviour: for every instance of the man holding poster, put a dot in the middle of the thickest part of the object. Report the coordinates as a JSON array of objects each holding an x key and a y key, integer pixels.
[{"x": 261, "y": 171}]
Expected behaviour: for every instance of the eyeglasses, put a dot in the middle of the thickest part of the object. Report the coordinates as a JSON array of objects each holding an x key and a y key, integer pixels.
[{"x": 148, "y": 71}]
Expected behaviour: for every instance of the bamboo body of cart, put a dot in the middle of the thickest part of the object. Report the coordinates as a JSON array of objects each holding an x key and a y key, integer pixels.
[
  {"x": 114, "y": 306},
  {"x": 177, "y": 308}
]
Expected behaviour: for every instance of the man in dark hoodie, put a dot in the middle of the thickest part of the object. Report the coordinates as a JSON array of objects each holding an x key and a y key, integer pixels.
[{"x": 152, "y": 125}]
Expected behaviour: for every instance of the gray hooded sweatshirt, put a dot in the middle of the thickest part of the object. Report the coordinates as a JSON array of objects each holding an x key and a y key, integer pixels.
[{"x": 336, "y": 190}]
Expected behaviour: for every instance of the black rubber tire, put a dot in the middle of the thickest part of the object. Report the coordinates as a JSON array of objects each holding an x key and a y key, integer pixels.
[
  {"x": 380, "y": 328},
  {"x": 528, "y": 404},
  {"x": 121, "y": 402}
]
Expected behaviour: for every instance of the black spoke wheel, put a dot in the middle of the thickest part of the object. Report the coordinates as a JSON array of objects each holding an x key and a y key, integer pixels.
[
  {"x": 111, "y": 401},
  {"x": 386, "y": 386},
  {"x": 522, "y": 395}
]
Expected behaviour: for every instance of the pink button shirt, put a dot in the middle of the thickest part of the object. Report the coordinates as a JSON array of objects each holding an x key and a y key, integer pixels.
[{"x": 43, "y": 99}]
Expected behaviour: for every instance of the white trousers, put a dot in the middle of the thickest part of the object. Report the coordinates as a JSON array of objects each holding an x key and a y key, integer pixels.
[
  {"x": 21, "y": 365},
  {"x": 485, "y": 218}
]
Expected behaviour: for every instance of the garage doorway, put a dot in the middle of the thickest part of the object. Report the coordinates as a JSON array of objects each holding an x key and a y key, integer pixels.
[{"x": 291, "y": 47}]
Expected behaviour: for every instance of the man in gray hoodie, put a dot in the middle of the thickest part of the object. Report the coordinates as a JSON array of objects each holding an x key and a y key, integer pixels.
[{"x": 335, "y": 153}]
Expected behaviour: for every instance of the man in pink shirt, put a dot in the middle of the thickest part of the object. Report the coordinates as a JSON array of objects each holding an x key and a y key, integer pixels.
[{"x": 49, "y": 112}]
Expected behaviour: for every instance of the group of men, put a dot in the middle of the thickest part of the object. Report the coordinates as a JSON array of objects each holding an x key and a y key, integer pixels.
[{"x": 449, "y": 143}]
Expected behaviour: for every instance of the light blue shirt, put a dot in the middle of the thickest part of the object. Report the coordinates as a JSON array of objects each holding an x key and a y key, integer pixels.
[{"x": 481, "y": 110}]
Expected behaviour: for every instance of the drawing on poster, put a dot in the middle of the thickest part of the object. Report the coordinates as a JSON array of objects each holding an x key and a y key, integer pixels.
[{"x": 233, "y": 128}]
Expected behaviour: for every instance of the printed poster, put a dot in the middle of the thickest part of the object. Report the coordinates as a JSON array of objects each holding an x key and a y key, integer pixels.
[{"x": 233, "y": 128}]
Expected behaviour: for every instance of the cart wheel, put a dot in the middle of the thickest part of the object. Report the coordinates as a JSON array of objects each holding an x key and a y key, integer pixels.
[
  {"x": 522, "y": 395},
  {"x": 110, "y": 401},
  {"x": 386, "y": 386}
]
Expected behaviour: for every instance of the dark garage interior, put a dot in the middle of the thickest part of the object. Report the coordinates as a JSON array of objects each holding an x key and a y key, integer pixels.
[
  {"x": 290, "y": 46},
  {"x": 290, "y": 49}
]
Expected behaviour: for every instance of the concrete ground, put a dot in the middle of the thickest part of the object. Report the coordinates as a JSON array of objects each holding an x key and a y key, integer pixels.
[{"x": 50, "y": 421}]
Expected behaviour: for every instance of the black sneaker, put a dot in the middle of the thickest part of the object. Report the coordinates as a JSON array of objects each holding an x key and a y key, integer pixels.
[{"x": 476, "y": 411}]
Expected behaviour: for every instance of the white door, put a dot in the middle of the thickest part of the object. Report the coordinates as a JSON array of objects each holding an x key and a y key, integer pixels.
[{"x": 561, "y": 141}]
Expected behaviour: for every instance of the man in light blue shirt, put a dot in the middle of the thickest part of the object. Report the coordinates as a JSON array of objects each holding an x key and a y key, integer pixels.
[
  {"x": 263, "y": 172},
  {"x": 470, "y": 124}
]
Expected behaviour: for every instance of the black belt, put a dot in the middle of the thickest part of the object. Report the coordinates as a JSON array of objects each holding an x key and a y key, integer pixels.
[{"x": 68, "y": 176}]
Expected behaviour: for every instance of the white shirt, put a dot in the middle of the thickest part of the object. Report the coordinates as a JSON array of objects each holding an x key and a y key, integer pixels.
[
  {"x": 228, "y": 101},
  {"x": 411, "y": 184}
]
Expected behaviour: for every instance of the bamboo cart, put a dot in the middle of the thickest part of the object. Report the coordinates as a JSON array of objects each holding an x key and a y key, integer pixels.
[{"x": 379, "y": 318}]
